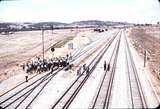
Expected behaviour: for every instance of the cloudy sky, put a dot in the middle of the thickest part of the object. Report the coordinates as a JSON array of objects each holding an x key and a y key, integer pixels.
[{"x": 134, "y": 11}]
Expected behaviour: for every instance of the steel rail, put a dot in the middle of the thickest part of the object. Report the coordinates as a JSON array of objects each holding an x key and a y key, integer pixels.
[
  {"x": 97, "y": 58},
  {"x": 140, "y": 91},
  {"x": 113, "y": 58}
]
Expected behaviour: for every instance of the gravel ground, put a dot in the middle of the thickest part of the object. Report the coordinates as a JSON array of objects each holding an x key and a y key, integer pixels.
[
  {"x": 145, "y": 38},
  {"x": 20, "y": 47}
]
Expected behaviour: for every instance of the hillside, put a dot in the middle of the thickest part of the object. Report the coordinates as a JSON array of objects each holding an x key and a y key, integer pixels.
[{"x": 28, "y": 26}]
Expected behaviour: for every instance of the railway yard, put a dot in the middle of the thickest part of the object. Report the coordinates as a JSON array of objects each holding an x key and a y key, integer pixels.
[{"x": 102, "y": 70}]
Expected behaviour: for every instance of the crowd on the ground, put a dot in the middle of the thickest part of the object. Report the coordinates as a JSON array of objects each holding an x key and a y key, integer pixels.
[{"x": 42, "y": 65}]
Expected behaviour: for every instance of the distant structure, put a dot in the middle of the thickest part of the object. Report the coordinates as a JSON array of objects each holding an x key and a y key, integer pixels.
[
  {"x": 70, "y": 46},
  {"x": 99, "y": 30}
]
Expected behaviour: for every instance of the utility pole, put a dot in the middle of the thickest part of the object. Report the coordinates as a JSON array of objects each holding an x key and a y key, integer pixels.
[
  {"x": 43, "y": 44},
  {"x": 145, "y": 57}
]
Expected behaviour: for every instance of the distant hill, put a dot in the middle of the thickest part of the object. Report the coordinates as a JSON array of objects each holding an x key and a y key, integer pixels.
[
  {"x": 28, "y": 26},
  {"x": 97, "y": 23},
  {"x": 88, "y": 23}
]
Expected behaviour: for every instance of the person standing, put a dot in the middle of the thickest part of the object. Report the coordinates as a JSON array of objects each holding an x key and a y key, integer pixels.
[
  {"x": 108, "y": 68},
  {"x": 26, "y": 78},
  {"x": 104, "y": 65},
  {"x": 87, "y": 71}
]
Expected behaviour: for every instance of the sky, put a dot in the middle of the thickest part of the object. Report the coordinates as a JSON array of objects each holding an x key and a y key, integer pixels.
[{"x": 67, "y": 11}]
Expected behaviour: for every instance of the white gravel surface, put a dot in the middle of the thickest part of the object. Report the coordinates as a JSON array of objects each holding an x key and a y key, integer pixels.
[
  {"x": 89, "y": 90},
  {"x": 57, "y": 87},
  {"x": 53, "y": 90},
  {"x": 149, "y": 92},
  {"x": 121, "y": 88},
  {"x": 15, "y": 80},
  {"x": 120, "y": 94},
  {"x": 120, "y": 85}
]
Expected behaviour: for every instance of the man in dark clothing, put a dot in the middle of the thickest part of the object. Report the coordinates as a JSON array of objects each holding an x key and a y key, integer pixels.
[
  {"x": 87, "y": 71},
  {"x": 104, "y": 65},
  {"x": 108, "y": 68},
  {"x": 26, "y": 78},
  {"x": 84, "y": 67}
]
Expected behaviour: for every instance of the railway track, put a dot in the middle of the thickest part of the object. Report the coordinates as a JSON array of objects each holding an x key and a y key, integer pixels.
[
  {"x": 22, "y": 83},
  {"x": 15, "y": 100},
  {"x": 18, "y": 96},
  {"x": 137, "y": 97},
  {"x": 88, "y": 53},
  {"x": 102, "y": 98},
  {"x": 90, "y": 47},
  {"x": 23, "y": 97},
  {"x": 69, "y": 95},
  {"x": 75, "y": 56}
]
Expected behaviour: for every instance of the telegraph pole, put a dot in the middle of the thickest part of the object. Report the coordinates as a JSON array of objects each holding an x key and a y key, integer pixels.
[
  {"x": 145, "y": 57},
  {"x": 43, "y": 44}
]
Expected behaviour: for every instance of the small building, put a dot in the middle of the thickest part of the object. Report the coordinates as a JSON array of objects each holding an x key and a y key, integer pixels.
[{"x": 70, "y": 46}]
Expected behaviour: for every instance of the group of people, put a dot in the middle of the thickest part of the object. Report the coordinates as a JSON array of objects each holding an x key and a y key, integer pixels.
[
  {"x": 82, "y": 69},
  {"x": 86, "y": 69},
  {"x": 42, "y": 65},
  {"x": 106, "y": 67}
]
